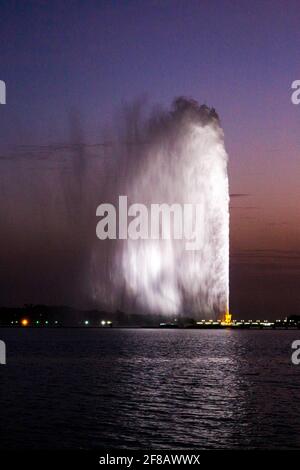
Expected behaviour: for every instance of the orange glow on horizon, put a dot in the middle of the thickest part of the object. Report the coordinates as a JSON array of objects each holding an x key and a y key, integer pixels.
[{"x": 24, "y": 322}]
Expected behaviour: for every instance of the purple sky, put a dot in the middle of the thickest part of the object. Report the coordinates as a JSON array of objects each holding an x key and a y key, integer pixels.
[{"x": 238, "y": 56}]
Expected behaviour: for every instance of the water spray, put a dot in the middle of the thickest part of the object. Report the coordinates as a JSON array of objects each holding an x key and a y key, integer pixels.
[{"x": 182, "y": 160}]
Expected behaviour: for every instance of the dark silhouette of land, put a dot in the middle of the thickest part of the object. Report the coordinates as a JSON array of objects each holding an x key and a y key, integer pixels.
[
  {"x": 56, "y": 316},
  {"x": 64, "y": 316}
]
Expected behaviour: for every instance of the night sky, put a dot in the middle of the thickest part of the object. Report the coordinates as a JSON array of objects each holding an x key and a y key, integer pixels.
[{"x": 89, "y": 58}]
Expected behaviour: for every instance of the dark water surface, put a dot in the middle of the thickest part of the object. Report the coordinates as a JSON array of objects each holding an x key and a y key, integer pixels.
[{"x": 92, "y": 388}]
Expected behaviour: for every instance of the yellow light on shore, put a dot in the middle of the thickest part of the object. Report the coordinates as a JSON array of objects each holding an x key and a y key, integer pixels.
[
  {"x": 24, "y": 322},
  {"x": 227, "y": 318}
]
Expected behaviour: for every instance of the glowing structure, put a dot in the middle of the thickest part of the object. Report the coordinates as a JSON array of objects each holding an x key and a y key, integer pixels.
[{"x": 227, "y": 318}]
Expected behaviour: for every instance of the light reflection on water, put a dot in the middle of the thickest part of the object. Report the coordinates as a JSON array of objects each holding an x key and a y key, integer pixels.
[{"x": 89, "y": 388}]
